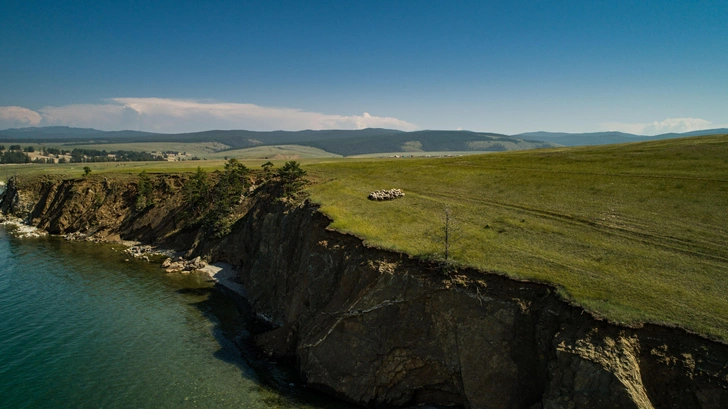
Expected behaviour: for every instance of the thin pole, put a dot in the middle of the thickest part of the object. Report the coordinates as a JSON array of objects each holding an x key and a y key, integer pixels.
[{"x": 447, "y": 234}]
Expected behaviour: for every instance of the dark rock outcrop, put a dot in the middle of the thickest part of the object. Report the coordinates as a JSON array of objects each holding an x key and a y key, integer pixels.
[{"x": 383, "y": 330}]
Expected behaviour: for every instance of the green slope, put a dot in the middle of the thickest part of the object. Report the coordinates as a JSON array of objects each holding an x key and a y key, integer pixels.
[
  {"x": 635, "y": 233},
  {"x": 425, "y": 141},
  {"x": 603, "y": 138},
  {"x": 339, "y": 142},
  {"x": 277, "y": 152},
  {"x": 215, "y": 150}
]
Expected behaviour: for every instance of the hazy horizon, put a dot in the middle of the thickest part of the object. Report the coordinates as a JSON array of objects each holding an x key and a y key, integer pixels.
[{"x": 341, "y": 129}]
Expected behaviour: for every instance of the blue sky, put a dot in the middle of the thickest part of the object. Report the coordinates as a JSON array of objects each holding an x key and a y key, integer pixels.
[{"x": 500, "y": 66}]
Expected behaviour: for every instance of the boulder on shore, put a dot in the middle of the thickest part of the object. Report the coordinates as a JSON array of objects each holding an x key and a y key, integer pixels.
[{"x": 183, "y": 266}]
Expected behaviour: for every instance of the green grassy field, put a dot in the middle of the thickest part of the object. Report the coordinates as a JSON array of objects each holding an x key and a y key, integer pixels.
[
  {"x": 199, "y": 149},
  {"x": 72, "y": 170},
  {"x": 278, "y": 152},
  {"x": 634, "y": 233},
  {"x": 206, "y": 150},
  {"x": 418, "y": 154}
]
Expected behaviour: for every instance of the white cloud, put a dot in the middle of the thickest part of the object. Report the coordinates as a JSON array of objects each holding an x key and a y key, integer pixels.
[
  {"x": 18, "y": 117},
  {"x": 174, "y": 115},
  {"x": 677, "y": 125}
]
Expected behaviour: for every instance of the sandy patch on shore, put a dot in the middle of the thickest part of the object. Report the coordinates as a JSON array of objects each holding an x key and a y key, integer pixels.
[{"x": 225, "y": 275}]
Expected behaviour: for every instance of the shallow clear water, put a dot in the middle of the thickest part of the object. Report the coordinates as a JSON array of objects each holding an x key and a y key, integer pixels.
[{"x": 82, "y": 328}]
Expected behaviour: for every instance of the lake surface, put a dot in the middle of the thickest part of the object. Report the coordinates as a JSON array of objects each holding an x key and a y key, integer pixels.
[{"x": 82, "y": 328}]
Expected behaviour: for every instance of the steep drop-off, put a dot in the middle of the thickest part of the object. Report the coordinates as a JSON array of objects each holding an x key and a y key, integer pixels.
[{"x": 384, "y": 330}]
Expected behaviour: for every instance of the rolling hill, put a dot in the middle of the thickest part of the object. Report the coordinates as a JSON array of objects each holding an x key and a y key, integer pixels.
[
  {"x": 605, "y": 138},
  {"x": 338, "y": 142}
]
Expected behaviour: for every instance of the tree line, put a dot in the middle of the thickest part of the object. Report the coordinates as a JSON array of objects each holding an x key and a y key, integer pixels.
[
  {"x": 19, "y": 154},
  {"x": 213, "y": 200},
  {"x": 93, "y": 155}
]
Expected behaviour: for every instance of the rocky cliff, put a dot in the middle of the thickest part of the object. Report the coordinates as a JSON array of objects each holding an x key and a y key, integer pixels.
[{"x": 384, "y": 330}]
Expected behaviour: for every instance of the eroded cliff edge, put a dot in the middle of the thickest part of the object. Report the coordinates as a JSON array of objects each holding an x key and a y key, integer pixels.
[{"x": 384, "y": 330}]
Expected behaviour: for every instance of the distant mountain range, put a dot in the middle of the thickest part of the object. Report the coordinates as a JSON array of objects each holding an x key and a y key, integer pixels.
[
  {"x": 343, "y": 142},
  {"x": 49, "y": 133},
  {"x": 604, "y": 138}
]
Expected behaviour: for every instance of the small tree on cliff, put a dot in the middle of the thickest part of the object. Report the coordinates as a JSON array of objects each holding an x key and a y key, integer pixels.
[
  {"x": 144, "y": 191},
  {"x": 444, "y": 237},
  {"x": 235, "y": 172},
  {"x": 197, "y": 189},
  {"x": 231, "y": 185},
  {"x": 293, "y": 177},
  {"x": 228, "y": 193},
  {"x": 197, "y": 193},
  {"x": 86, "y": 171}
]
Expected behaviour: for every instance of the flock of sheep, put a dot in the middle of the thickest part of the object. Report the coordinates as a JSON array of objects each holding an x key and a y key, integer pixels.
[{"x": 386, "y": 194}]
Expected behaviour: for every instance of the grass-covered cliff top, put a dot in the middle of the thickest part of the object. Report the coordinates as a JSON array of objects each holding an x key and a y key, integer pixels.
[{"x": 633, "y": 232}]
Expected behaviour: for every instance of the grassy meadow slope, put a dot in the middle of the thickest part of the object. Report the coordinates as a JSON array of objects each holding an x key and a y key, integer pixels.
[
  {"x": 634, "y": 233},
  {"x": 425, "y": 141},
  {"x": 198, "y": 149},
  {"x": 278, "y": 152},
  {"x": 216, "y": 150},
  {"x": 75, "y": 170}
]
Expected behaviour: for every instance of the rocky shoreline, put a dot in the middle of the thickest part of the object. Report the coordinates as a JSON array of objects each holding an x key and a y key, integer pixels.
[
  {"x": 221, "y": 273},
  {"x": 19, "y": 228}
]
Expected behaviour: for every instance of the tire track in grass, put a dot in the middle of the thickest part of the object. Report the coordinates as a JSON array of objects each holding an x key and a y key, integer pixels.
[{"x": 665, "y": 242}]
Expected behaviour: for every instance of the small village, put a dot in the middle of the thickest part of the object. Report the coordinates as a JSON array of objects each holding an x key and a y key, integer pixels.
[{"x": 41, "y": 154}]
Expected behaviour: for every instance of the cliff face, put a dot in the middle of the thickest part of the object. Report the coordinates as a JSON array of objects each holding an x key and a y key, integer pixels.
[
  {"x": 105, "y": 209},
  {"x": 380, "y": 329}
]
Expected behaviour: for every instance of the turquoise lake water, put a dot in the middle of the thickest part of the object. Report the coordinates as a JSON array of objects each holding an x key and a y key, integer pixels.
[{"x": 82, "y": 328}]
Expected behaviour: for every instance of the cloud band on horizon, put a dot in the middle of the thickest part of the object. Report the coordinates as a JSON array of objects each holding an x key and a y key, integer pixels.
[
  {"x": 175, "y": 116},
  {"x": 676, "y": 125},
  {"x": 178, "y": 116}
]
